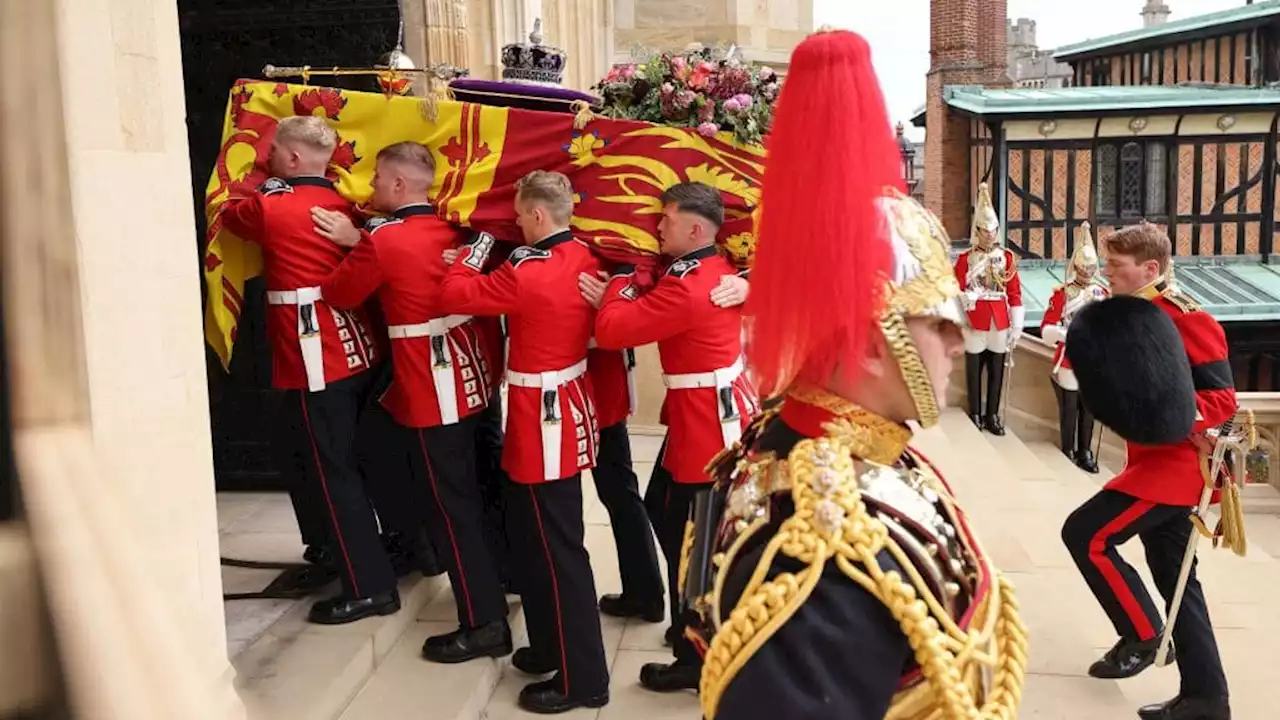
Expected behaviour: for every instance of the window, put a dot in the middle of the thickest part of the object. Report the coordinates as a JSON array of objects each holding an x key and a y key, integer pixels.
[
  {"x": 1131, "y": 180},
  {"x": 1146, "y": 69},
  {"x": 1101, "y": 72}
]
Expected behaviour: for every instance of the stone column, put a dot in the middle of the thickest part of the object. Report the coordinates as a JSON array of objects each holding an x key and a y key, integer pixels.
[{"x": 446, "y": 29}]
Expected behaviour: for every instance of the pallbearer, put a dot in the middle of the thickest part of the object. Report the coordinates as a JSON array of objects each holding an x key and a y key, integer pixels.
[
  {"x": 440, "y": 382},
  {"x": 988, "y": 275},
  {"x": 1082, "y": 287},
  {"x": 321, "y": 355}
]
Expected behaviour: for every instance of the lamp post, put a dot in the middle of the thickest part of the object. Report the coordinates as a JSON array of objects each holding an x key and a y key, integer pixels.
[{"x": 908, "y": 151}]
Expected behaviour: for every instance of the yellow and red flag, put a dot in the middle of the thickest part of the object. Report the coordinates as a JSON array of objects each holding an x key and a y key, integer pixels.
[{"x": 618, "y": 169}]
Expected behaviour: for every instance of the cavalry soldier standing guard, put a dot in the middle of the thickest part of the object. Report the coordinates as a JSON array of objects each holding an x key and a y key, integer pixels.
[
  {"x": 551, "y": 434},
  {"x": 988, "y": 275},
  {"x": 1081, "y": 288},
  {"x": 834, "y": 573},
  {"x": 320, "y": 355},
  {"x": 440, "y": 382},
  {"x": 1162, "y": 477},
  {"x": 709, "y": 400}
]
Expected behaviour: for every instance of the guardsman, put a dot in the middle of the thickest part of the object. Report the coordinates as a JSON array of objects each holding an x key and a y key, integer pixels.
[
  {"x": 988, "y": 275},
  {"x": 1075, "y": 421},
  {"x": 613, "y": 382},
  {"x": 834, "y": 572},
  {"x": 1161, "y": 479},
  {"x": 551, "y": 434},
  {"x": 440, "y": 381},
  {"x": 709, "y": 400},
  {"x": 321, "y": 355}
]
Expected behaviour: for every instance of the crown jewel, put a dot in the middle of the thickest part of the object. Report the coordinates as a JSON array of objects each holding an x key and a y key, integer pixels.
[{"x": 532, "y": 62}]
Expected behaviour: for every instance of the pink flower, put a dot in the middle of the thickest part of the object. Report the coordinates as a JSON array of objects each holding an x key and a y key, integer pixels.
[
  {"x": 668, "y": 88},
  {"x": 744, "y": 101},
  {"x": 678, "y": 63},
  {"x": 708, "y": 129},
  {"x": 732, "y": 105},
  {"x": 705, "y": 67},
  {"x": 628, "y": 72},
  {"x": 766, "y": 73}
]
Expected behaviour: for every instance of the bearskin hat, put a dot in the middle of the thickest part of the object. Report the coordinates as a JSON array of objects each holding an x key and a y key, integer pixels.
[{"x": 1133, "y": 370}]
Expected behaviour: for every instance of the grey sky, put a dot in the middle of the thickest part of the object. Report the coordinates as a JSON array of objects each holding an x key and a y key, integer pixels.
[{"x": 899, "y": 32}]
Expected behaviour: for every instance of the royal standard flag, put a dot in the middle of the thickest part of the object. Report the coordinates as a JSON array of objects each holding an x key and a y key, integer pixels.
[{"x": 618, "y": 170}]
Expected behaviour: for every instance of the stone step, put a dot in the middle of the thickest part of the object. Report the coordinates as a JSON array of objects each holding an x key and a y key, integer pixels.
[{"x": 303, "y": 671}]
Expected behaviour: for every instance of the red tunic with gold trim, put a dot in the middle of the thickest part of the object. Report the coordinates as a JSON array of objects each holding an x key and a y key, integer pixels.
[
  {"x": 995, "y": 287},
  {"x": 1069, "y": 298},
  {"x": 552, "y": 431},
  {"x": 709, "y": 399},
  {"x": 1170, "y": 474},
  {"x": 312, "y": 343},
  {"x": 440, "y": 368}
]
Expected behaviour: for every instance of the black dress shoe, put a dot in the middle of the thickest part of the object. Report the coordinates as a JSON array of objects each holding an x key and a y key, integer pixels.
[
  {"x": 527, "y": 661},
  {"x": 340, "y": 610},
  {"x": 1086, "y": 462},
  {"x": 548, "y": 698},
  {"x": 1188, "y": 708},
  {"x": 463, "y": 644},
  {"x": 318, "y": 555},
  {"x": 670, "y": 678},
  {"x": 1126, "y": 659},
  {"x": 993, "y": 425},
  {"x": 621, "y": 606}
]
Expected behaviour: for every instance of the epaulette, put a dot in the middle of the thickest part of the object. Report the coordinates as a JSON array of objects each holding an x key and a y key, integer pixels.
[
  {"x": 275, "y": 186},
  {"x": 527, "y": 252},
  {"x": 680, "y": 268},
  {"x": 1182, "y": 301},
  {"x": 896, "y": 532},
  {"x": 376, "y": 223}
]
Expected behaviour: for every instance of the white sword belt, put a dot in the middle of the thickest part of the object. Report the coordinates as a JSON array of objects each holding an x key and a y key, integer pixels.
[
  {"x": 549, "y": 383},
  {"x": 439, "y": 326},
  {"x": 722, "y": 380},
  {"x": 549, "y": 380},
  {"x": 441, "y": 359},
  {"x": 308, "y": 330}
]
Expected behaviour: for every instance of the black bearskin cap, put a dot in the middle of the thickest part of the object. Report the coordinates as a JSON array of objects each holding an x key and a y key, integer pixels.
[{"x": 1133, "y": 370}]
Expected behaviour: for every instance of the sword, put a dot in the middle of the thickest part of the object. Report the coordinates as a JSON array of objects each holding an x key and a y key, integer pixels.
[
  {"x": 1004, "y": 389},
  {"x": 1189, "y": 555}
]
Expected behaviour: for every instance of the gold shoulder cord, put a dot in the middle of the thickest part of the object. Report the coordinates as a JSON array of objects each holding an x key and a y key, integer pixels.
[{"x": 831, "y": 521}]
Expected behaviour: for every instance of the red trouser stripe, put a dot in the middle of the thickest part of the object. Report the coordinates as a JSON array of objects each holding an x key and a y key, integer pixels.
[
  {"x": 1119, "y": 587},
  {"x": 555, "y": 590},
  {"x": 324, "y": 485},
  {"x": 448, "y": 526}
]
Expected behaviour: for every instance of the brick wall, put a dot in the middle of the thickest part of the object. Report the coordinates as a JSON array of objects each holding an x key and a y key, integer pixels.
[{"x": 993, "y": 41}]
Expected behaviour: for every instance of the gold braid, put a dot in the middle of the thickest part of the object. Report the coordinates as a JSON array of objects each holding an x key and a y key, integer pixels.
[{"x": 831, "y": 521}]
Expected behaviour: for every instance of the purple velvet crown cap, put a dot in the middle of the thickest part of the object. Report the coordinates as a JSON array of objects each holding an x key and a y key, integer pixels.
[{"x": 520, "y": 95}]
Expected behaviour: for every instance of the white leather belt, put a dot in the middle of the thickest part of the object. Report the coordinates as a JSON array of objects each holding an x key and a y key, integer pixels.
[
  {"x": 549, "y": 380},
  {"x": 726, "y": 401},
  {"x": 308, "y": 330},
  {"x": 552, "y": 430},
  {"x": 715, "y": 378},
  {"x": 992, "y": 296},
  {"x": 439, "y": 326}
]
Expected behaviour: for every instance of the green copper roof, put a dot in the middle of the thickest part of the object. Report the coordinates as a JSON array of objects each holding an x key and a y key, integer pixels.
[
  {"x": 1243, "y": 14},
  {"x": 1048, "y": 102},
  {"x": 1232, "y": 289}
]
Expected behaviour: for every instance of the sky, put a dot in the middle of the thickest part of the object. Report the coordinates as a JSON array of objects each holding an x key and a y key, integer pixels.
[{"x": 898, "y": 31}]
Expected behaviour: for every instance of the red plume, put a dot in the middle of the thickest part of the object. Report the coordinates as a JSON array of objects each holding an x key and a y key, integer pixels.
[{"x": 823, "y": 248}]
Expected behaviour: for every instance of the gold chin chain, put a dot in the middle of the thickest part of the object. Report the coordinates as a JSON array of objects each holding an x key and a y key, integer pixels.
[{"x": 914, "y": 374}]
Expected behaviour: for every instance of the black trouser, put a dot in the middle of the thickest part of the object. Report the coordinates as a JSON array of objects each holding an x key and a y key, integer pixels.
[
  {"x": 444, "y": 460},
  {"x": 1094, "y": 531},
  {"x": 326, "y": 422},
  {"x": 493, "y": 480},
  {"x": 616, "y": 484},
  {"x": 386, "y": 462},
  {"x": 556, "y": 584},
  {"x": 669, "y": 504}
]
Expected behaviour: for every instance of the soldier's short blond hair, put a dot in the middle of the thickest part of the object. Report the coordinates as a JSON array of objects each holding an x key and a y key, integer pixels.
[
  {"x": 551, "y": 190},
  {"x": 413, "y": 157},
  {"x": 309, "y": 131}
]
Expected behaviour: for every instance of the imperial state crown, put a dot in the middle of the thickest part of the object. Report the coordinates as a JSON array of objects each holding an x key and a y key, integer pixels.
[{"x": 532, "y": 62}]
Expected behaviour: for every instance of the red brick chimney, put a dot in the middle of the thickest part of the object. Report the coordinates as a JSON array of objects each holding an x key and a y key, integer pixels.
[
  {"x": 953, "y": 47},
  {"x": 993, "y": 41}
]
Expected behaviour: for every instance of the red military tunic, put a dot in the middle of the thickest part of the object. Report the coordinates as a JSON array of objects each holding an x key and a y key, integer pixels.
[
  {"x": 1063, "y": 294},
  {"x": 551, "y": 419},
  {"x": 993, "y": 306},
  {"x": 612, "y": 383},
  {"x": 440, "y": 369},
  {"x": 709, "y": 399},
  {"x": 296, "y": 261},
  {"x": 1170, "y": 474}
]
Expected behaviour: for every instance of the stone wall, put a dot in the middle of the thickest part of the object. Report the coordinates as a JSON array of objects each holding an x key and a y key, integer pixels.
[{"x": 765, "y": 30}]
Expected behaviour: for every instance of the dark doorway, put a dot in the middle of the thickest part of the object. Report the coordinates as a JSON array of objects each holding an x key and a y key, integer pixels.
[{"x": 222, "y": 41}]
